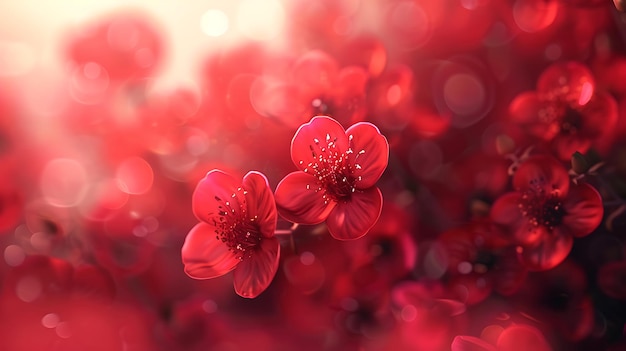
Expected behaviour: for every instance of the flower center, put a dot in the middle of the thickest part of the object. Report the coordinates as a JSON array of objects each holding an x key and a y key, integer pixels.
[
  {"x": 542, "y": 210},
  {"x": 572, "y": 121},
  {"x": 232, "y": 227},
  {"x": 335, "y": 174},
  {"x": 484, "y": 261}
]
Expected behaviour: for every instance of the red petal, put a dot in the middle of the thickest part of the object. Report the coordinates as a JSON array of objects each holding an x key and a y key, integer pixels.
[
  {"x": 599, "y": 116},
  {"x": 470, "y": 343},
  {"x": 525, "y": 109},
  {"x": 584, "y": 210},
  {"x": 321, "y": 137},
  {"x": 506, "y": 212},
  {"x": 254, "y": 274},
  {"x": 570, "y": 81},
  {"x": 260, "y": 202},
  {"x": 299, "y": 199},
  {"x": 213, "y": 191},
  {"x": 370, "y": 151},
  {"x": 315, "y": 72},
  {"x": 542, "y": 173},
  {"x": 204, "y": 256},
  {"x": 566, "y": 145},
  {"x": 353, "y": 218},
  {"x": 549, "y": 252},
  {"x": 351, "y": 82},
  {"x": 522, "y": 338}
]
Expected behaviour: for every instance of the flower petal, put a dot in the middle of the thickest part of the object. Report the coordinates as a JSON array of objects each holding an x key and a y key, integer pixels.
[
  {"x": 542, "y": 174},
  {"x": 571, "y": 82},
  {"x": 300, "y": 200},
  {"x": 353, "y": 218},
  {"x": 370, "y": 151},
  {"x": 214, "y": 193},
  {"x": 254, "y": 274},
  {"x": 318, "y": 139},
  {"x": 583, "y": 210},
  {"x": 525, "y": 110},
  {"x": 204, "y": 256},
  {"x": 260, "y": 202},
  {"x": 566, "y": 145},
  {"x": 505, "y": 213},
  {"x": 549, "y": 252},
  {"x": 522, "y": 338},
  {"x": 505, "y": 210},
  {"x": 470, "y": 343}
]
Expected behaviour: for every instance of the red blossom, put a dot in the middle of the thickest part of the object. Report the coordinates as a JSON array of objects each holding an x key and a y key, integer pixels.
[
  {"x": 566, "y": 110},
  {"x": 517, "y": 337},
  {"x": 316, "y": 84},
  {"x": 545, "y": 212},
  {"x": 480, "y": 261},
  {"x": 123, "y": 44},
  {"x": 336, "y": 181},
  {"x": 236, "y": 232}
]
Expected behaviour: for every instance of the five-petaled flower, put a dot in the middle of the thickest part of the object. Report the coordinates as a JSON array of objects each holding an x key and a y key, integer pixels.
[
  {"x": 545, "y": 212},
  {"x": 338, "y": 170},
  {"x": 566, "y": 109},
  {"x": 236, "y": 232}
]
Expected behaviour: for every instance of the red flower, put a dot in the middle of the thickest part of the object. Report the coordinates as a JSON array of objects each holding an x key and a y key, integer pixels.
[
  {"x": 336, "y": 182},
  {"x": 545, "y": 212},
  {"x": 236, "y": 232},
  {"x": 514, "y": 338},
  {"x": 566, "y": 110},
  {"x": 480, "y": 262},
  {"x": 316, "y": 84}
]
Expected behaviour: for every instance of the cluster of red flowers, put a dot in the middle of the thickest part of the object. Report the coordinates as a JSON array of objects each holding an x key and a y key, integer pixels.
[{"x": 389, "y": 175}]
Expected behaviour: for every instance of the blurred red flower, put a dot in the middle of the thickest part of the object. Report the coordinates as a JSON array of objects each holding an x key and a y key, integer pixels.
[
  {"x": 566, "y": 109},
  {"x": 336, "y": 182},
  {"x": 545, "y": 212},
  {"x": 514, "y": 338},
  {"x": 479, "y": 262},
  {"x": 238, "y": 221}
]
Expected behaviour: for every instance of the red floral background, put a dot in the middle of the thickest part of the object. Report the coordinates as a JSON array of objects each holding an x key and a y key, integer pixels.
[{"x": 313, "y": 175}]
